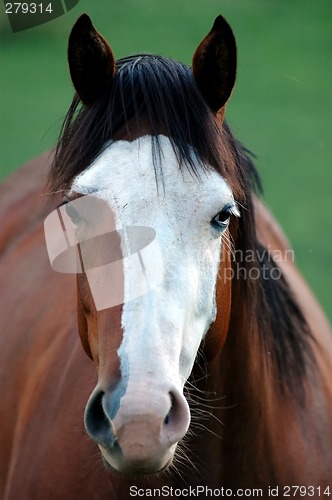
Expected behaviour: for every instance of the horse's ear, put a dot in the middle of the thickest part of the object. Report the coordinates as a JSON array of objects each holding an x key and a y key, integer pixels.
[
  {"x": 91, "y": 60},
  {"x": 214, "y": 64}
]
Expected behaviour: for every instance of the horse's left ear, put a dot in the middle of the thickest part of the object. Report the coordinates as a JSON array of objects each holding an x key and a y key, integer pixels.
[
  {"x": 91, "y": 60},
  {"x": 214, "y": 64}
]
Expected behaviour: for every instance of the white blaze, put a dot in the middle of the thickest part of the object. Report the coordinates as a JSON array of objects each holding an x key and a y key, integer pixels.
[{"x": 164, "y": 325}]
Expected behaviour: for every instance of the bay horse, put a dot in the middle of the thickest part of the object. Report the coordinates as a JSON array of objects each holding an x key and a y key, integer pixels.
[{"x": 214, "y": 381}]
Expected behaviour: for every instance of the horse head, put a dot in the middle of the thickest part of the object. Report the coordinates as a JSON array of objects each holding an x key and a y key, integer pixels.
[{"x": 170, "y": 210}]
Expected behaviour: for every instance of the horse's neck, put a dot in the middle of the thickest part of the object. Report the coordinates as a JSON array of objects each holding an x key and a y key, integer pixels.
[{"x": 267, "y": 436}]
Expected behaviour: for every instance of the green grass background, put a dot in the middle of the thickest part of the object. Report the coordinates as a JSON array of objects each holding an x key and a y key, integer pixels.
[{"x": 281, "y": 107}]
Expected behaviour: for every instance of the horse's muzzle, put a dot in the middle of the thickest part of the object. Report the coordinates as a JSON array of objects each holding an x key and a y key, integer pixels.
[{"x": 142, "y": 436}]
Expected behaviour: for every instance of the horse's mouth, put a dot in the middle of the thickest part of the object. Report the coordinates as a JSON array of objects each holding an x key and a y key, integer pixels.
[{"x": 137, "y": 468}]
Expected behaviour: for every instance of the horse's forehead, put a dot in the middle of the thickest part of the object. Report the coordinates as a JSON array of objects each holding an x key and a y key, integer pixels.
[{"x": 128, "y": 171}]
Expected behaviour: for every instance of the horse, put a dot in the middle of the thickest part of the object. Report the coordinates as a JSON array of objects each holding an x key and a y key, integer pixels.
[{"x": 212, "y": 379}]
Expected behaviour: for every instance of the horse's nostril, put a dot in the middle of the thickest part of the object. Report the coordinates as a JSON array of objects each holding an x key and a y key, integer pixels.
[
  {"x": 96, "y": 422},
  {"x": 176, "y": 422},
  {"x": 171, "y": 410}
]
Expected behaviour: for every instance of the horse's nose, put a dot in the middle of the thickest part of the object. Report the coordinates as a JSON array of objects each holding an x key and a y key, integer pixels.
[{"x": 141, "y": 436}]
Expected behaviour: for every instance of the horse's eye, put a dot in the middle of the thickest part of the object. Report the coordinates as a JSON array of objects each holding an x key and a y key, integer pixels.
[{"x": 221, "y": 220}]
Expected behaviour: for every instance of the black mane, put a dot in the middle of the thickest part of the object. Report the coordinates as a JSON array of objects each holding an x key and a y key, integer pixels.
[
  {"x": 146, "y": 89},
  {"x": 157, "y": 92}
]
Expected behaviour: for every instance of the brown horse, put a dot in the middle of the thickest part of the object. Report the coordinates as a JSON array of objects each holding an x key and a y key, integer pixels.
[{"x": 225, "y": 324}]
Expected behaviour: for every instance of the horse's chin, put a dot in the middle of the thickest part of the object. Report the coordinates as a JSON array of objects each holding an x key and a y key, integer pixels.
[{"x": 136, "y": 468}]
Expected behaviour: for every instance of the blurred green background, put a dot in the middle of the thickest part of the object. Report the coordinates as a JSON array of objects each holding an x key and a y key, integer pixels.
[{"x": 281, "y": 107}]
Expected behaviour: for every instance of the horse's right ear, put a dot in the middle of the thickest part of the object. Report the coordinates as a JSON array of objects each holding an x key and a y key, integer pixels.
[
  {"x": 91, "y": 60},
  {"x": 214, "y": 65}
]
